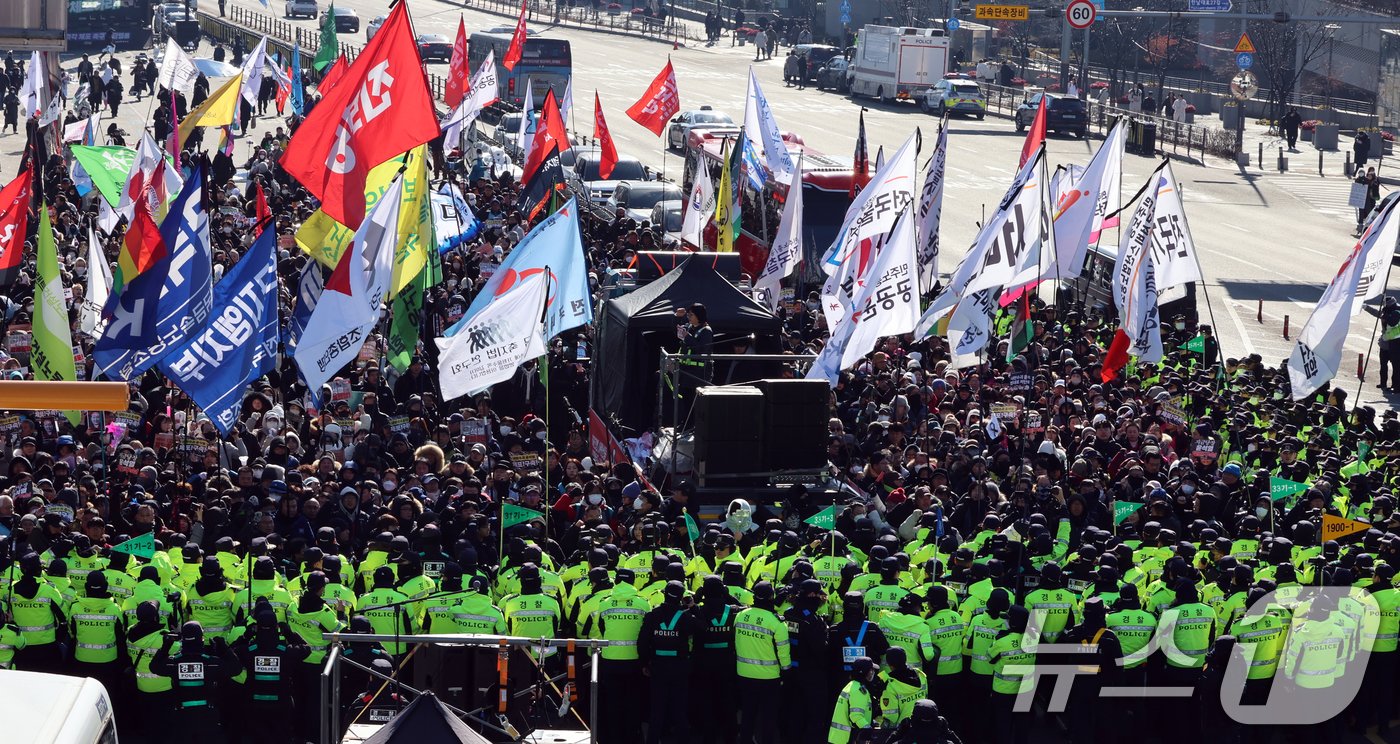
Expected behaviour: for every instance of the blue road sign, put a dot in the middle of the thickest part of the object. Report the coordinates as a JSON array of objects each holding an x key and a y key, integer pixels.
[
  {"x": 1208, "y": 6},
  {"x": 1244, "y": 60},
  {"x": 846, "y": 16},
  {"x": 952, "y": 24},
  {"x": 1098, "y": 4}
]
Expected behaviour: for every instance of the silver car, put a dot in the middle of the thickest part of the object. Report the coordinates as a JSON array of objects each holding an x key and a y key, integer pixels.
[{"x": 698, "y": 120}]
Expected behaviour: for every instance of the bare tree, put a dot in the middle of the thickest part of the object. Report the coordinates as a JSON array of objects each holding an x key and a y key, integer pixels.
[{"x": 1282, "y": 52}]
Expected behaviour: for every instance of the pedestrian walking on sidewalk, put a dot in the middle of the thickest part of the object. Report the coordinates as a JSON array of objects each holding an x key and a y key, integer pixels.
[
  {"x": 1291, "y": 122},
  {"x": 1372, "y": 182}
]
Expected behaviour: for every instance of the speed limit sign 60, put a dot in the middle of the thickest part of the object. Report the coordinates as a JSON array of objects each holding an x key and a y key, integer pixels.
[{"x": 1081, "y": 13}]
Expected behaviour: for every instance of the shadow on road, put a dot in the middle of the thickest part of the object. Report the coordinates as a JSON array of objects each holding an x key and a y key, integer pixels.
[{"x": 1253, "y": 289}]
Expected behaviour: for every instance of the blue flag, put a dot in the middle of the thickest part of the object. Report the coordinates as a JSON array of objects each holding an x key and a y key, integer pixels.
[
  {"x": 298, "y": 98},
  {"x": 753, "y": 168},
  {"x": 454, "y": 222},
  {"x": 554, "y": 243},
  {"x": 168, "y": 302},
  {"x": 239, "y": 345},
  {"x": 313, "y": 280}
]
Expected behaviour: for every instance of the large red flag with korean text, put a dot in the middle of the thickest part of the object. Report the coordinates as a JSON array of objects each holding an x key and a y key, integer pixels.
[
  {"x": 661, "y": 101},
  {"x": 516, "y": 50},
  {"x": 549, "y": 133},
  {"x": 380, "y": 108},
  {"x": 14, "y": 223},
  {"x": 458, "y": 71},
  {"x": 605, "y": 142}
]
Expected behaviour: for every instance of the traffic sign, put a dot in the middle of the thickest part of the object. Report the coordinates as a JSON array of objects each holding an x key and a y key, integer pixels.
[
  {"x": 952, "y": 24},
  {"x": 1244, "y": 85},
  {"x": 1208, "y": 6},
  {"x": 1244, "y": 60},
  {"x": 1081, "y": 13},
  {"x": 1002, "y": 13},
  {"x": 1245, "y": 45}
]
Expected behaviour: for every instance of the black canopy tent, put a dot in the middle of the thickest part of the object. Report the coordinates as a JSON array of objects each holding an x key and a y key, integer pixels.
[
  {"x": 634, "y": 328},
  {"x": 426, "y": 720}
]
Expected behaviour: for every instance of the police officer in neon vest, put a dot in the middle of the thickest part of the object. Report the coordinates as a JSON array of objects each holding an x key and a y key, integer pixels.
[
  {"x": 270, "y": 659},
  {"x": 854, "y": 636},
  {"x": 99, "y": 646},
  {"x": 143, "y": 639},
  {"x": 36, "y": 610},
  {"x": 197, "y": 671},
  {"x": 761, "y": 653},
  {"x": 855, "y": 705}
]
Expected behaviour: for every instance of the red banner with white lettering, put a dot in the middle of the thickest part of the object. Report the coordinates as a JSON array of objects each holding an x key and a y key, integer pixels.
[
  {"x": 605, "y": 142},
  {"x": 602, "y": 445},
  {"x": 549, "y": 134},
  {"x": 661, "y": 101},
  {"x": 458, "y": 71},
  {"x": 14, "y": 213},
  {"x": 381, "y": 108}
]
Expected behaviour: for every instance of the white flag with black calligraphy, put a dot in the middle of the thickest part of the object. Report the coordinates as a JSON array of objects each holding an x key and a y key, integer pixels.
[
  {"x": 1134, "y": 281},
  {"x": 931, "y": 211},
  {"x": 506, "y": 333},
  {"x": 786, "y": 252}
]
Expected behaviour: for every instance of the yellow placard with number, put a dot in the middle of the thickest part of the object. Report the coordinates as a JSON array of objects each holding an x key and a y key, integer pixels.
[{"x": 1003, "y": 12}]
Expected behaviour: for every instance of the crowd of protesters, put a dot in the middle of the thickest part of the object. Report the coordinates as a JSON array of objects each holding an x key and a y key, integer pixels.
[{"x": 978, "y": 509}]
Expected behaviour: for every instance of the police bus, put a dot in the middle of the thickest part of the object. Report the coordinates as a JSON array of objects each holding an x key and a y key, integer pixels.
[
  {"x": 123, "y": 24},
  {"x": 55, "y": 709},
  {"x": 545, "y": 64}
]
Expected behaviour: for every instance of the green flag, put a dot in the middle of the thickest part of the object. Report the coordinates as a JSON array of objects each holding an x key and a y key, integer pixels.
[
  {"x": 1336, "y": 431},
  {"x": 108, "y": 167},
  {"x": 1122, "y": 509},
  {"x": 1280, "y": 488},
  {"x": 825, "y": 519},
  {"x": 1022, "y": 330},
  {"x": 1197, "y": 344},
  {"x": 330, "y": 45},
  {"x": 692, "y": 530},
  {"x": 1363, "y": 450},
  {"x": 52, "y": 353},
  {"x": 512, "y": 515},
  {"x": 406, "y": 321},
  {"x": 142, "y": 546}
]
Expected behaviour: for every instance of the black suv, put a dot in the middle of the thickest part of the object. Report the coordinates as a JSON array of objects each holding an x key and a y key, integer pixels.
[{"x": 1062, "y": 114}]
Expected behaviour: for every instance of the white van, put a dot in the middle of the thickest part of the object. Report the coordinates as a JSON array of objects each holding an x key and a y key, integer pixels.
[{"x": 55, "y": 709}]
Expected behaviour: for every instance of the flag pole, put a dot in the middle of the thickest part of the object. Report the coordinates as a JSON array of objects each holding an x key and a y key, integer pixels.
[
  {"x": 1374, "y": 330},
  {"x": 1195, "y": 255},
  {"x": 544, "y": 369}
]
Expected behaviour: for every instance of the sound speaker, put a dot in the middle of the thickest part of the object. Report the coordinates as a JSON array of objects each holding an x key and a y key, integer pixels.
[
  {"x": 729, "y": 429},
  {"x": 797, "y": 413}
]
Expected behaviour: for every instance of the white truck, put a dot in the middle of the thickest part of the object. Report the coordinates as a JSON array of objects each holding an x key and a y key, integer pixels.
[{"x": 897, "y": 62}]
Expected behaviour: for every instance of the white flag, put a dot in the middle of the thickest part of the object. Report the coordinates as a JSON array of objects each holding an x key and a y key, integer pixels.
[
  {"x": 107, "y": 217},
  {"x": 483, "y": 93},
  {"x": 53, "y": 112},
  {"x": 149, "y": 178},
  {"x": 99, "y": 285},
  {"x": 1377, "y": 254},
  {"x": 75, "y": 132},
  {"x": 887, "y": 304},
  {"x": 1038, "y": 257},
  {"x": 349, "y": 305},
  {"x": 1174, "y": 258},
  {"x": 1089, "y": 197},
  {"x": 867, "y": 224},
  {"x": 1317, "y": 355},
  {"x": 700, "y": 206},
  {"x": 786, "y": 252},
  {"x": 1134, "y": 281},
  {"x": 970, "y": 328},
  {"x": 34, "y": 91},
  {"x": 762, "y": 130},
  {"x": 989, "y": 263},
  {"x": 177, "y": 70},
  {"x": 527, "y": 110},
  {"x": 253, "y": 73},
  {"x": 494, "y": 342},
  {"x": 931, "y": 212}
]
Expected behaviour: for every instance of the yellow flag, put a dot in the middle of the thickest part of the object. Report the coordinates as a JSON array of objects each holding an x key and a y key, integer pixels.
[
  {"x": 324, "y": 239},
  {"x": 1336, "y": 528},
  {"x": 218, "y": 110},
  {"x": 724, "y": 212}
]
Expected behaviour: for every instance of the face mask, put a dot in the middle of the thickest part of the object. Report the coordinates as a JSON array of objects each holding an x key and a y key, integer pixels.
[
  {"x": 390, "y": 485},
  {"x": 638, "y": 503},
  {"x": 595, "y": 498},
  {"x": 505, "y": 430},
  {"x": 1253, "y": 448},
  {"x": 1188, "y": 489},
  {"x": 540, "y": 436},
  {"x": 257, "y": 473},
  {"x": 1261, "y": 511},
  {"x": 811, "y": 305}
]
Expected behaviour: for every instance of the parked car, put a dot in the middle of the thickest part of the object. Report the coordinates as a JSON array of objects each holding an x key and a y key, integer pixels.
[
  {"x": 569, "y": 156},
  {"x": 347, "y": 21},
  {"x": 700, "y": 119},
  {"x": 301, "y": 9},
  {"x": 434, "y": 46},
  {"x": 666, "y": 218},
  {"x": 953, "y": 96},
  {"x": 638, "y": 197},
  {"x": 817, "y": 55},
  {"x": 1062, "y": 114},
  {"x": 373, "y": 27},
  {"x": 832, "y": 75},
  {"x": 596, "y": 190},
  {"x": 507, "y": 130}
]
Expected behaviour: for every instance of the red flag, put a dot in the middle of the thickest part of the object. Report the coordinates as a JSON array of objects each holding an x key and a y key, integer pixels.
[
  {"x": 284, "y": 91},
  {"x": 605, "y": 142},
  {"x": 1116, "y": 357},
  {"x": 263, "y": 213},
  {"x": 549, "y": 133},
  {"x": 381, "y": 108},
  {"x": 661, "y": 101},
  {"x": 1036, "y": 135},
  {"x": 459, "y": 72},
  {"x": 517, "y": 40},
  {"x": 332, "y": 76},
  {"x": 14, "y": 219}
]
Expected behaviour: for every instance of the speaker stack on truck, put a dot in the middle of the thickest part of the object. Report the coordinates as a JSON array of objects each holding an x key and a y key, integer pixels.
[{"x": 754, "y": 431}]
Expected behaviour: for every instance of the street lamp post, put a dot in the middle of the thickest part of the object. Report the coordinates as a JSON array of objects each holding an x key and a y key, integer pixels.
[{"x": 1332, "y": 29}]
